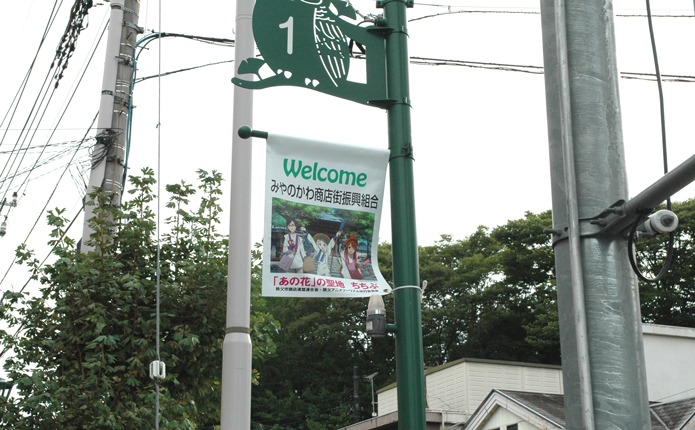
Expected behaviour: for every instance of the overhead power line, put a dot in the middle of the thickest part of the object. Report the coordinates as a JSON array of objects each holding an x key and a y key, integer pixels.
[
  {"x": 455, "y": 10},
  {"x": 525, "y": 68},
  {"x": 66, "y": 47},
  {"x": 477, "y": 65}
]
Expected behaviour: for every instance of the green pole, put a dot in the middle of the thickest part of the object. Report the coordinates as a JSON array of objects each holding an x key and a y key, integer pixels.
[{"x": 409, "y": 355}]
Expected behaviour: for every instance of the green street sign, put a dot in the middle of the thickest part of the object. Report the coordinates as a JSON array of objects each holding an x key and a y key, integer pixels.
[{"x": 307, "y": 43}]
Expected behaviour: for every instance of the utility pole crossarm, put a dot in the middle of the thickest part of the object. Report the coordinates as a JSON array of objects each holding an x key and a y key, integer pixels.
[{"x": 621, "y": 215}]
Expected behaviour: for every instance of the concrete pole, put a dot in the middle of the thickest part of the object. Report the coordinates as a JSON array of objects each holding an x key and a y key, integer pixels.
[
  {"x": 580, "y": 63},
  {"x": 109, "y": 153},
  {"x": 236, "y": 351}
]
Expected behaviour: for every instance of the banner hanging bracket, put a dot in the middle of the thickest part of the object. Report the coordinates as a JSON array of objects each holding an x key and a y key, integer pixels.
[{"x": 245, "y": 132}]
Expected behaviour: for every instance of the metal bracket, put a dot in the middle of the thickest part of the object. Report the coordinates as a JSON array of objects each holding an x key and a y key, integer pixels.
[
  {"x": 587, "y": 228},
  {"x": 125, "y": 59},
  {"x": 245, "y": 132},
  {"x": 612, "y": 220},
  {"x": 137, "y": 28}
]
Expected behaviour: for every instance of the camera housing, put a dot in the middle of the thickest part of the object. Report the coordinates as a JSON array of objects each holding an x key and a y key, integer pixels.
[{"x": 660, "y": 222}]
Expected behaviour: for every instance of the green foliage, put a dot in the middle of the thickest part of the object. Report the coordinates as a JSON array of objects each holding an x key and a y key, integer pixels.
[
  {"x": 671, "y": 300},
  {"x": 89, "y": 333},
  {"x": 488, "y": 295},
  {"x": 308, "y": 384}
]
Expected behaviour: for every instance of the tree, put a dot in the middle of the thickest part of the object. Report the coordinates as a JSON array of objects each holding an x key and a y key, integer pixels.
[
  {"x": 308, "y": 383},
  {"x": 89, "y": 333},
  {"x": 488, "y": 295},
  {"x": 491, "y": 295},
  {"x": 482, "y": 300},
  {"x": 456, "y": 273},
  {"x": 670, "y": 300}
]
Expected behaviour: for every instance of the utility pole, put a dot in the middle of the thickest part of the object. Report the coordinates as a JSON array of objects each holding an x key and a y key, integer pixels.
[
  {"x": 108, "y": 157},
  {"x": 387, "y": 87},
  {"x": 356, "y": 393},
  {"x": 410, "y": 372},
  {"x": 237, "y": 348},
  {"x": 600, "y": 325}
]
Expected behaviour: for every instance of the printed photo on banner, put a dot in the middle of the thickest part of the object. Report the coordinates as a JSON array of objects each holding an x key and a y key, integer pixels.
[
  {"x": 322, "y": 216},
  {"x": 323, "y": 241}
]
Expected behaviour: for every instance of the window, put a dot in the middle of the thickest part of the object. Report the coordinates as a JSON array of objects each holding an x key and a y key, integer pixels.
[{"x": 513, "y": 427}]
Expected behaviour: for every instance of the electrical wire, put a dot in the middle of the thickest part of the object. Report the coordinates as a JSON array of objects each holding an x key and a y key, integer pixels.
[
  {"x": 142, "y": 44},
  {"x": 43, "y": 262},
  {"x": 69, "y": 101},
  {"x": 22, "y": 86},
  {"x": 501, "y": 11},
  {"x": 21, "y": 141},
  {"x": 66, "y": 46},
  {"x": 633, "y": 231},
  {"x": 34, "y": 107},
  {"x": 477, "y": 65},
  {"x": 416, "y": 60},
  {"x": 653, "y": 77},
  {"x": 52, "y": 159},
  {"x": 186, "y": 69},
  {"x": 521, "y": 68},
  {"x": 159, "y": 193},
  {"x": 47, "y": 202},
  {"x": 36, "y": 115},
  {"x": 477, "y": 11},
  {"x": 29, "y": 125}
]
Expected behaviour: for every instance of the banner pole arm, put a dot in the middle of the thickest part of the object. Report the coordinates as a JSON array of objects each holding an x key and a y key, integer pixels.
[{"x": 245, "y": 132}]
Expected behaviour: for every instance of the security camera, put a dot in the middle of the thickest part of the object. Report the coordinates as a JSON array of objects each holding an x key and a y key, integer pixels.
[{"x": 661, "y": 222}]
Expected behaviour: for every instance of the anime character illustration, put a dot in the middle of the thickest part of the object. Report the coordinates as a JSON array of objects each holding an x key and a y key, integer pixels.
[
  {"x": 324, "y": 245},
  {"x": 350, "y": 265},
  {"x": 293, "y": 252}
]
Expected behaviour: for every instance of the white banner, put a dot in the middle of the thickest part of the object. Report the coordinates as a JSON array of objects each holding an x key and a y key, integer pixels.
[{"x": 322, "y": 212}]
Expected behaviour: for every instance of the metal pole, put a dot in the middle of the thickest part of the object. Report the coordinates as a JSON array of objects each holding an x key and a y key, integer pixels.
[
  {"x": 109, "y": 153},
  {"x": 409, "y": 355},
  {"x": 574, "y": 242},
  {"x": 236, "y": 350},
  {"x": 356, "y": 393},
  {"x": 665, "y": 187},
  {"x": 617, "y": 378}
]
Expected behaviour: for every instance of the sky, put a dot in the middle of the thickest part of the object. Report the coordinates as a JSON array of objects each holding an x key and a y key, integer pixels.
[{"x": 479, "y": 134}]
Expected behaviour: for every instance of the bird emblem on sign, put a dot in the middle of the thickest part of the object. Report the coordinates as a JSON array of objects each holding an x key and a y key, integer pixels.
[
  {"x": 306, "y": 43},
  {"x": 332, "y": 44}
]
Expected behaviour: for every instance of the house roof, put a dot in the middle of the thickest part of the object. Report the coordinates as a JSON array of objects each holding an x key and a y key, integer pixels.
[
  {"x": 550, "y": 409},
  {"x": 675, "y": 415},
  {"x": 549, "y": 406},
  {"x": 434, "y": 420}
]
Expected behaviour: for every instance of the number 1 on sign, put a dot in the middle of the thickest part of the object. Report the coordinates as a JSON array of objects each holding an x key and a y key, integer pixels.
[{"x": 289, "y": 25}]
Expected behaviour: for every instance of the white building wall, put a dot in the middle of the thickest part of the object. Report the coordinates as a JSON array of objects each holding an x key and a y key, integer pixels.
[
  {"x": 669, "y": 355},
  {"x": 501, "y": 418},
  {"x": 462, "y": 385}
]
